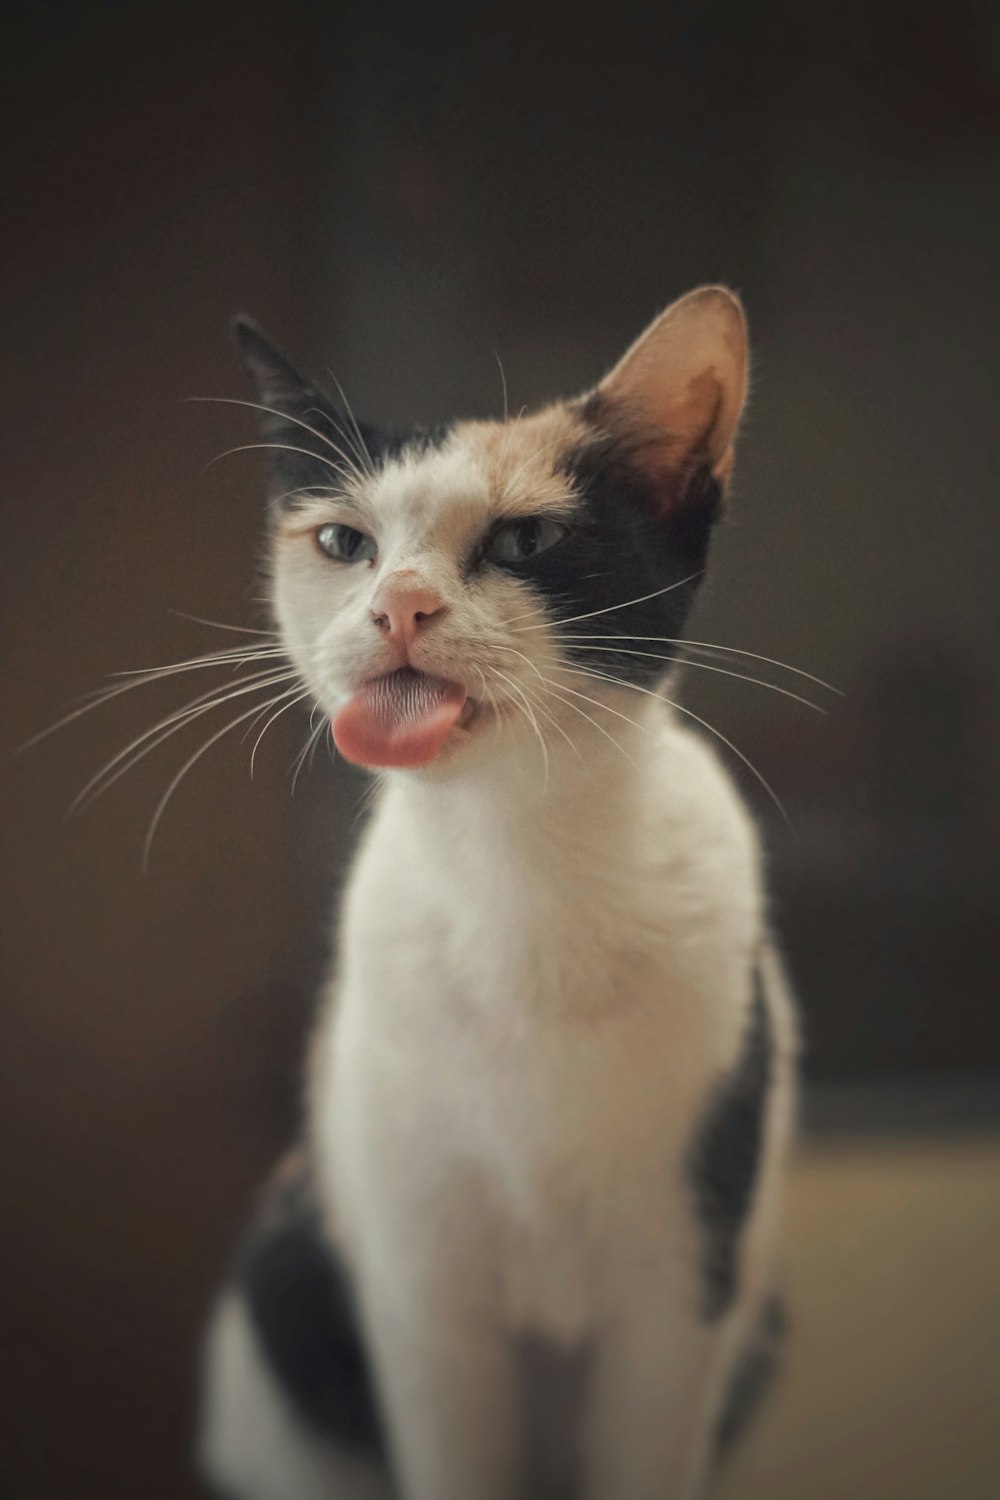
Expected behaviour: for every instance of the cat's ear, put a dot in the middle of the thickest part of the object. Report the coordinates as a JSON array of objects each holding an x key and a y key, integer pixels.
[
  {"x": 277, "y": 382},
  {"x": 309, "y": 446},
  {"x": 675, "y": 398}
]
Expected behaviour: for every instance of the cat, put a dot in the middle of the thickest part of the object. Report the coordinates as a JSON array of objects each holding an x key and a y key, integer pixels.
[{"x": 530, "y": 1243}]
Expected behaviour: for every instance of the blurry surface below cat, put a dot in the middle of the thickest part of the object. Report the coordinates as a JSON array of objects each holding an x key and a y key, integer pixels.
[{"x": 892, "y": 1380}]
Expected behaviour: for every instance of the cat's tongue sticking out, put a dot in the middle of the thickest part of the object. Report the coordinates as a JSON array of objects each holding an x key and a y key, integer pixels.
[{"x": 401, "y": 719}]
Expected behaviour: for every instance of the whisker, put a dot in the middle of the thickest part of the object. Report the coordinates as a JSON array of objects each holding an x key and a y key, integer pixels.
[
  {"x": 179, "y": 777},
  {"x": 312, "y": 739},
  {"x": 221, "y": 625},
  {"x": 284, "y": 416},
  {"x": 345, "y": 474},
  {"x": 163, "y": 730},
  {"x": 709, "y": 667},
  {"x": 501, "y": 462},
  {"x": 367, "y": 462},
  {"x": 99, "y": 696},
  {"x": 305, "y": 492},
  {"x": 326, "y": 737},
  {"x": 611, "y": 608},
  {"x": 276, "y": 715},
  {"x": 553, "y": 721},
  {"x": 536, "y": 700},
  {"x": 667, "y": 640},
  {"x": 349, "y": 454},
  {"x": 195, "y": 663},
  {"x": 617, "y": 682},
  {"x": 503, "y": 386},
  {"x": 532, "y": 720},
  {"x": 558, "y": 693},
  {"x": 550, "y": 682}
]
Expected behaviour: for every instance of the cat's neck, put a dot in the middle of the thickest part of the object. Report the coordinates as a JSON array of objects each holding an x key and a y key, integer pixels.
[{"x": 586, "y": 795}]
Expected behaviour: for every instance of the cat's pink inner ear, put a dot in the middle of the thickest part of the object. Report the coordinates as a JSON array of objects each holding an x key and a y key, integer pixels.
[{"x": 678, "y": 393}]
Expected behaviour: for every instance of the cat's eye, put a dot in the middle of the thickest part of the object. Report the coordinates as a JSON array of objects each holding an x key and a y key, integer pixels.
[
  {"x": 345, "y": 543},
  {"x": 519, "y": 541}
]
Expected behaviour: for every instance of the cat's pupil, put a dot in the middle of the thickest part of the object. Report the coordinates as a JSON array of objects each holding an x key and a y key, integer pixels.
[
  {"x": 348, "y": 540},
  {"x": 528, "y": 538}
]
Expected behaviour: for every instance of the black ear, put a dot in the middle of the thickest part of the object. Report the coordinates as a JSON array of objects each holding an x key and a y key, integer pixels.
[
  {"x": 312, "y": 448},
  {"x": 275, "y": 378}
]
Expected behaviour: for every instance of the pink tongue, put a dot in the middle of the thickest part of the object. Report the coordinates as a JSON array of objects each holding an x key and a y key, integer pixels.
[{"x": 401, "y": 719}]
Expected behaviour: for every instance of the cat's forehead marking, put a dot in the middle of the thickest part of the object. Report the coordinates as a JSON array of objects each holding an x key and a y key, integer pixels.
[{"x": 482, "y": 470}]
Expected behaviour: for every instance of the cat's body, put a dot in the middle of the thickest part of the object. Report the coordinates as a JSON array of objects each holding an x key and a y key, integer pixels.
[{"x": 551, "y": 1085}]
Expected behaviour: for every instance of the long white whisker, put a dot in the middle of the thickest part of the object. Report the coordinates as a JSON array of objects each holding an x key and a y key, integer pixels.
[
  {"x": 327, "y": 736},
  {"x": 514, "y": 652},
  {"x": 503, "y": 385},
  {"x": 367, "y": 462},
  {"x": 345, "y": 474},
  {"x": 221, "y": 624},
  {"x": 558, "y": 693},
  {"x": 100, "y": 696},
  {"x": 536, "y": 700},
  {"x": 615, "y": 681},
  {"x": 348, "y": 454},
  {"x": 668, "y": 640},
  {"x": 611, "y": 608},
  {"x": 709, "y": 667},
  {"x": 552, "y": 720},
  {"x": 285, "y": 416},
  {"x": 529, "y": 714},
  {"x": 185, "y": 768},
  {"x": 312, "y": 739},
  {"x": 229, "y": 657},
  {"x": 276, "y": 715},
  {"x": 202, "y": 704},
  {"x": 550, "y": 682}
]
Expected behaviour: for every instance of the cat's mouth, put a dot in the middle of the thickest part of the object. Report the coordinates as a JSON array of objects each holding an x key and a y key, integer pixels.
[{"x": 401, "y": 718}]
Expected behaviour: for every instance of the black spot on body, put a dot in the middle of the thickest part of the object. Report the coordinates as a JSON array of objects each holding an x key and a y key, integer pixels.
[
  {"x": 724, "y": 1160},
  {"x": 752, "y": 1376},
  {"x": 302, "y": 1310}
]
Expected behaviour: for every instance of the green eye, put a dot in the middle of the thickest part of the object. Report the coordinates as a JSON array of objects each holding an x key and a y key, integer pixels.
[
  {"x": 519, "y": 541},
  {"x": 345, "y": 544}
]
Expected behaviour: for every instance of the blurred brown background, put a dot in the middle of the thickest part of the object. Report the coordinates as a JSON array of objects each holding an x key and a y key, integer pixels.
[{"x": 399, "y": 192}]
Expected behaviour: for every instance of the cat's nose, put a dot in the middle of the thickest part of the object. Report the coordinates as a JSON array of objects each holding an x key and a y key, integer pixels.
[{"x": 404, "y": 606}]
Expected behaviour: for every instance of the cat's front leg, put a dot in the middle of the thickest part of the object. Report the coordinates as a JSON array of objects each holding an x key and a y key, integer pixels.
[
  {"x": 652, "y": 1401},
  {"x": 446, "y": 1382}
]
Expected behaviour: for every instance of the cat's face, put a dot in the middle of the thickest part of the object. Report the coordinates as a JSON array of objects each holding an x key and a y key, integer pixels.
[{"x": 439, "y": 591}]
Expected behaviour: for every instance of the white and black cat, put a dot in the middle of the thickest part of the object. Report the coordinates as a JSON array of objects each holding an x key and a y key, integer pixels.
[{"x": 529, "y": 1244}]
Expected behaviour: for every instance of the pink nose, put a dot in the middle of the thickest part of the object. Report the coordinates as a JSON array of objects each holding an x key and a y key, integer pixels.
[{"x": 402, "y": 608}]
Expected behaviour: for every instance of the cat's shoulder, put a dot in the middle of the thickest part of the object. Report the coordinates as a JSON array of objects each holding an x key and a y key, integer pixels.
[{"x": 693, "y": 785}]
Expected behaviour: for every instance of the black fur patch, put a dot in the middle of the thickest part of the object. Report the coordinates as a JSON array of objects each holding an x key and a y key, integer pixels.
[
  {"x": 621, "y": 547},
  {"x": 303, "y": 466},
  {"x": 302, "y": 1311},
  {"x": 753, "y": 1376},
  {"x": 725, "y": 1158}
]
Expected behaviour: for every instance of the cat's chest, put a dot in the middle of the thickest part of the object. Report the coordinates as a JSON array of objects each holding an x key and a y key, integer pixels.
[
  {"x": 522, "y": 1057},
  {"x": 537, "y": 1151}
]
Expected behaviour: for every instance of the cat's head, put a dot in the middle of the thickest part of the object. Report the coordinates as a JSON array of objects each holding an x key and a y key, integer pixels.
[{"x": 438, "y": 590}]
